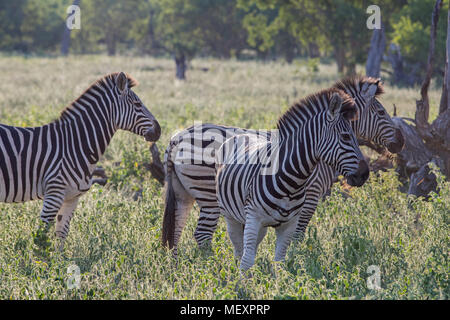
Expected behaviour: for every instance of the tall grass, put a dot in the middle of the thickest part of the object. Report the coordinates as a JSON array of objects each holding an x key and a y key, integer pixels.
[{"x": 115, "y": 241}]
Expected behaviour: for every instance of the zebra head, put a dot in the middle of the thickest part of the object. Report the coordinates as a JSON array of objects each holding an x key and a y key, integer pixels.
[
  {"x": 374, "y": 123},
  {"x": 338, "y": 146},
  {"x": 133, "y": 115}
]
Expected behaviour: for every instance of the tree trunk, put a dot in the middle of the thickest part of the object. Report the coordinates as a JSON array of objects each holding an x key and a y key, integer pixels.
[
  {"x": 180, "y": 62},
  {"x": 351, "y": 69},
  {"x": 313, "y": 50},
  {"x": 65, "y": 42},
  {"x": 394, "y": 57},
  {"x": 340, "y": 59},
  {"x": 445, "y": 98},
  {"x": 111, "y": 44},
  {"x": 375, "y": 56}
]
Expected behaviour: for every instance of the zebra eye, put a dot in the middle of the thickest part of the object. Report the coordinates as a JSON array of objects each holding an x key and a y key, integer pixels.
[
  {"x": 346, "y": 137},
  {"x": 381, "y": 112}
]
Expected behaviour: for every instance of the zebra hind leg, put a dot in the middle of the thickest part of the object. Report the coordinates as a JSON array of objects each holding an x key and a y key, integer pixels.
[
  {"x": 262, "y": 233},
  {"x": 252, "y": 230},
  {"x": 236, "y": 233},
  {"x": 206, "y": 226},
  {"x": 63, "y": 218},
  {"x": 284, "y": 233}
]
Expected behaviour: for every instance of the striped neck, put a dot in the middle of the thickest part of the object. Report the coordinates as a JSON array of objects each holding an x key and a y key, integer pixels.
[
  {"x": 91, "y": 118},
  {"x": 299, "y": 153},
  {"x": 291, "y": 122}
]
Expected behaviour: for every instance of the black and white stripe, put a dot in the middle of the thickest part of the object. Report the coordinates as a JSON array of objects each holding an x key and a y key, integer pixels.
[
  {"x": 252, "y": 199},
  {"x": 195, "y": 181},
  {"x": 55, "y": 162}
]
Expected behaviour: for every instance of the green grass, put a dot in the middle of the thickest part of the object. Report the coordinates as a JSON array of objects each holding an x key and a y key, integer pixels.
[{"x": 115, "y": 241}]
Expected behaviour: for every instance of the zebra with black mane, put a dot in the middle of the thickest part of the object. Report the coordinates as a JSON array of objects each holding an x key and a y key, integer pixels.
[
  {"x": 195, "y": 180},
  {"x": 55, "y": 162},
  {"x": 253, "y": 198}
]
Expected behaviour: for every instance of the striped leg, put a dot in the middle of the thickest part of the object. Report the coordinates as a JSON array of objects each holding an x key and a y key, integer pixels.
[
  {"x": 207, "y": 224},
  {"x": 53, "y": 201},
  {"x": 284, "y": 234},
  {"x": 252, "y": 230},
  {"x": 305, "y": 216},
  {"x": 65, "y": 214},
  {"x": 261, "y": 235}
]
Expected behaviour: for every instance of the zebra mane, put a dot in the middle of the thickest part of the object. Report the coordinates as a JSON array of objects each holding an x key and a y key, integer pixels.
[
  {"x": 107, "y": 81},
  {"x": 313, "y": 104},
  {"x": 356, "y": 82}
]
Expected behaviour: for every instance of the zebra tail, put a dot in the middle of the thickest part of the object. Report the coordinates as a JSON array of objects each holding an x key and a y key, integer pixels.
[{"x": 168, "y": 228}]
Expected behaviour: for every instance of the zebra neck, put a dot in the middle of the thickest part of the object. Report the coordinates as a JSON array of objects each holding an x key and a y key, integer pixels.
[
  {"x": 89, "y": 132},
  {"x": 297, "y": 157},
  {"x": 357, "y": 127}
]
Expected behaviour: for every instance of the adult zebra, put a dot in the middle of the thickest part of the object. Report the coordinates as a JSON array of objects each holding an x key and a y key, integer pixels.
[
  {"x": 253, "y": 198},
  {"x": 194, "y": 180},
  {"x": 55, "y": 162}
]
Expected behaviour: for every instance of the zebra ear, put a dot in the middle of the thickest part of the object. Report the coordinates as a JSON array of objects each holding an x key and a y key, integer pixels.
[
  {"x": 371, "y": 90},
  {"x": 122, "y": 82},
  {"x": 335, "y": 106}
]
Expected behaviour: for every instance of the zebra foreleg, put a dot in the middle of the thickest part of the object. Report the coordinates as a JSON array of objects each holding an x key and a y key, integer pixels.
[
  {"x": 284, "y": 235},
  {"x": 63, "y": 218},
  {"x": 51, "y": 206},
  {"x": 308, "y": 209}
]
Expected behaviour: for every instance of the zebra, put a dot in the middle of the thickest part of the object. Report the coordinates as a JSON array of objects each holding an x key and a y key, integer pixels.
[
  {"x": 252, "y": 198},
  {"x": 55, "y": 162},
  {"x": 195, "y": 181}
]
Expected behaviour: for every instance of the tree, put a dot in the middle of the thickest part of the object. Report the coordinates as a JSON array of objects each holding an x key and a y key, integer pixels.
[
  {"x": 410, "y": 32},
  {"x": 336, "y": 26},
  {"x": 185, "y": 28},
  {"x": 426, "y": 142},
  {"x": 107, "y": 23},
  {"x": 445, "y": 97},
  {"x": 65, "y": 42},
  {"x": 375, "y": 56},
  {"x": 31, "y": 25}
]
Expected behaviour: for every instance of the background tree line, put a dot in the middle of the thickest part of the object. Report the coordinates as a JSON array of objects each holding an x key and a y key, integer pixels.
[{"x": 243, "y": 29}]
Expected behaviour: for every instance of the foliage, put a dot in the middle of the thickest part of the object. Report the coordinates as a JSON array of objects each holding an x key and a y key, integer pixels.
[
  {"x": 338, "y": 27},
  {"x": 31, "y": 26},
  {"x": 411, "y": 31},
  {"x": 115, "y": 240},
  {"x": 226, "y": 28}
]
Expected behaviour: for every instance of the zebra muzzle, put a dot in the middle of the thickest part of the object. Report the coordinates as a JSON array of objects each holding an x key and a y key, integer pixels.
[
  {"x": 360, "y": 176},
  {"x": 397, "y": 144},
  {"x": 153, "y": 133}
]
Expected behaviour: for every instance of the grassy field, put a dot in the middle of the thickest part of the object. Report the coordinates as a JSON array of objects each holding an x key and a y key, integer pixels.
[{"x": 115, "y": 240}]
